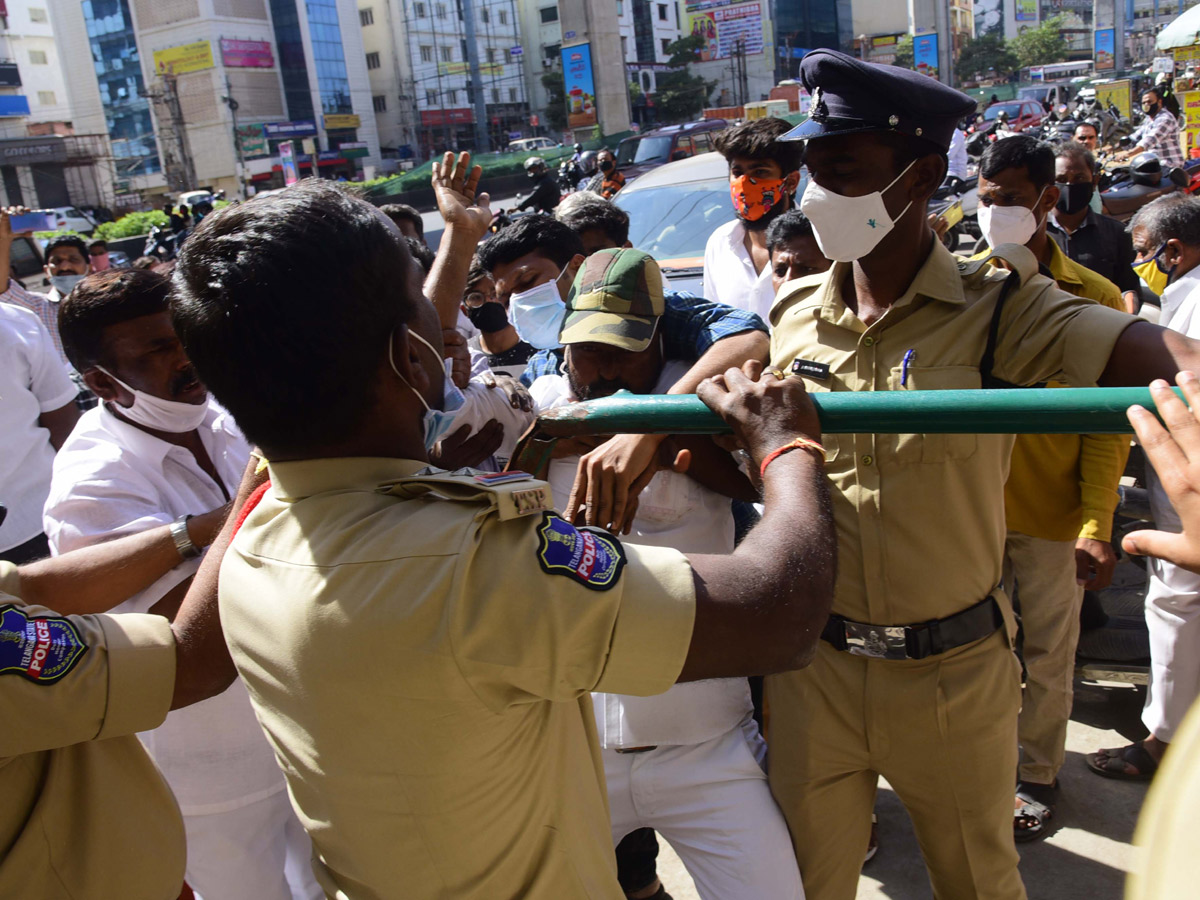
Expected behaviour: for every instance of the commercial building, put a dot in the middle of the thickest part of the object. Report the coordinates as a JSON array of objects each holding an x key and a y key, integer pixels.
[
  {"x": 424, "y": 95},
  {"x": 170, "y": 78},
  {"x": 44, "y": 160}
]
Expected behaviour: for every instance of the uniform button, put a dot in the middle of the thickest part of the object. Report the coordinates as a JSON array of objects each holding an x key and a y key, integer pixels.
[
  {"x": 867, "y": 460},
  {"x": 869, "y": 341}
]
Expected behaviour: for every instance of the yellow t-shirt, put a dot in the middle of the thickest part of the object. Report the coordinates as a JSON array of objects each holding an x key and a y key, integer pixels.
[{"x": 422, "y": 666}]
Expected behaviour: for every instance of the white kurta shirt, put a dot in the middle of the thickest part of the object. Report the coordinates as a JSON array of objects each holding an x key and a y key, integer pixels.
[
  {"x": 729, "y": 275},
  {"x": 111, "y": 478},
  {"x": 32, "y": 381},
  {"x": 673, "y": 511}
]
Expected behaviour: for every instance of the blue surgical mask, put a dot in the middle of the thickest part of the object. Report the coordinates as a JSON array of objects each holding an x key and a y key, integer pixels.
[
  {"x": 64, "y": 284},
  {"x": 538, "y": 314},
  {"x": 437, "y": 422}
]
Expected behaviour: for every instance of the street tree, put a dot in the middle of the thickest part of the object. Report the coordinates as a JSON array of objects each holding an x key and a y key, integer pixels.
[
  {"x": 904, "y": 52},
  {"x": 987, "y": 56},
  {"x": 1042, "y": 45},
  {"x": 681, "y": 95},
  {"x": 556, "y": 104}
]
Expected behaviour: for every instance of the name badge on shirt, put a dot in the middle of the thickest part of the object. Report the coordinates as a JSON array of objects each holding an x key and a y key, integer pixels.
[
  {"x": 41, "y": 649},
  {"x": 810, "y": 369}
]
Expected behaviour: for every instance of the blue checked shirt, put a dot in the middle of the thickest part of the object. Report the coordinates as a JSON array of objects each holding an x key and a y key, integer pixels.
[
  {"x": 1160, "y": 135},
  {"x": 690, "y": 325}
]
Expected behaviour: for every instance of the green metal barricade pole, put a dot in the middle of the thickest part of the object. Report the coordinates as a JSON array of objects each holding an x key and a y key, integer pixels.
[{"x": 1030, "y": 411}]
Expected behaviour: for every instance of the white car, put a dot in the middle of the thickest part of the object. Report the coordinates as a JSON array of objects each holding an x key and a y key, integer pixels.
[
  {"x": 68, "y": 218},
  {"x": 537, "y": 143},
  {"x": 191, "y": 198}
]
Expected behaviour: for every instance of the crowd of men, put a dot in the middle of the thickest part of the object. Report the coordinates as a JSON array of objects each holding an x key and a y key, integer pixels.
[{"x": 363, "y": 656}]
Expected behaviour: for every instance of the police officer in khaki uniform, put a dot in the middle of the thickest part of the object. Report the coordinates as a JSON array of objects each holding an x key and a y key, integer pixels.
[
  {"x": 85, "y": 811},
  {"x": 420, "y": 645},
  {"x": 915, "y": 678}
]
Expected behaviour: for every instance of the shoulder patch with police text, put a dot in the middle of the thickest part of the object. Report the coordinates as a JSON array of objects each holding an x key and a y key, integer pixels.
[
  {"x": 41, "y": 649},
  {"x": 592, "y": 557}
]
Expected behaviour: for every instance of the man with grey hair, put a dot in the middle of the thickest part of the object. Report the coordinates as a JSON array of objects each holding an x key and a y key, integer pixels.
[
  {"x": 600, "y": 223},
  {"x": 1167, "y": 233}
]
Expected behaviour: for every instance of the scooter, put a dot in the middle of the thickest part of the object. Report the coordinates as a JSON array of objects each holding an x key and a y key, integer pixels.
[
  {"x": 161, "y": 243},
  {"x": 954, "y": 190}
]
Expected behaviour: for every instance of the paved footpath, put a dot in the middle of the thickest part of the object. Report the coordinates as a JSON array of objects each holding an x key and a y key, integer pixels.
[{"x": 1084, "y": 858}]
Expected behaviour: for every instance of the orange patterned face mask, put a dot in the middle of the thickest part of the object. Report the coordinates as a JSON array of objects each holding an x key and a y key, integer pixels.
[{"x": 753, "y": 198}]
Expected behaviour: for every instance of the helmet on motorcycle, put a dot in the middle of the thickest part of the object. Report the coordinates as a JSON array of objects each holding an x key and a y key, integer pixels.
[
  {"x": 587, "y": 161},
  {"x": 533, "y": 165},
  {"x": 579, "y": 148},
  {"x": 1146, "y": 169}
]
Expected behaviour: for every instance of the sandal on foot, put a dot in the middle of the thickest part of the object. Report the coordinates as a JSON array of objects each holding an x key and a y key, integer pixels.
[
  {"x": 1030, "y": 820},
  {"x": 873, "y": 841},
  {"x": 1115, "y": 763}
]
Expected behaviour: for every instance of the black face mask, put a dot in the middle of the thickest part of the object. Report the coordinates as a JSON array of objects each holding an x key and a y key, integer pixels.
[
  {"x": 1074, "y": 197},
  {"x": 1152, "y": 109},
  {"x": 606, "y": 166},
  {"x": 488, "y": 317}
]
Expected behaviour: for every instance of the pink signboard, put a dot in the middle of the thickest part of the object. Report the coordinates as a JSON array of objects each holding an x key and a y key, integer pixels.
[{"x": 247, "y": 54}]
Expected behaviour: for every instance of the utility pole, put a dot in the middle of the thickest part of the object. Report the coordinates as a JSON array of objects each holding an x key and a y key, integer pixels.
[
  {"x": 237, "y": 140},
  {"x": 482, "y": 145},
  {"x": 178, "y": 167}
]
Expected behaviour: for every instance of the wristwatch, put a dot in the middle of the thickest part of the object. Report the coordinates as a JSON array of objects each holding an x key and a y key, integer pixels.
[{"x": 183, "y": 543}]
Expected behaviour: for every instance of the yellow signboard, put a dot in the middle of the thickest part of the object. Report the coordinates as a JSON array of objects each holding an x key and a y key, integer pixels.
[
  {"x": 1189, "y": 106},
  {"x": 462, "y": 68},
  {"x": 188, "y": 58},
  {"x": 1187, "y": 55},
  {"x": 342, "y": 121},
  {"x": 1116, "y": 93}
]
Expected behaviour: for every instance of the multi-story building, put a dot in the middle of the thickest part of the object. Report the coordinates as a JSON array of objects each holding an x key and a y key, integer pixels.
[
  {"x": 803, "y": 25},
  {"x": 44, "y": 160},
  {"x": 424, "y": 92},
  {"x": 170, "y": 78},
  {"x": 542, "y": 40}
]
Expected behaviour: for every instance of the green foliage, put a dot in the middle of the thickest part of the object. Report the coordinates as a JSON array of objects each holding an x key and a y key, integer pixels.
[
  {"x": 1042, "y": 45},
  {"x": 131, "y": 225},
  {"x": 556, "y": 106},
  {"x": 904, "y": 52},
  {"x": 987, "y": 56},
  {"x": 681, "y": 95},
  {"x": 635, "y": 92},
  {"x": 51, "y": 235}
]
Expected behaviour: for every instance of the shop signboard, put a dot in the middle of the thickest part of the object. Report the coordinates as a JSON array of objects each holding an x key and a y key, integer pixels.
[
  {"x": 247, "y": 54},
  {"x": 1104, "y": 54},
  {"x": 287, "y": 160},
  {"x": 925, "y": 54},
  {"x": 728, "y": 28},
  {"x": 194, "y": 57}
]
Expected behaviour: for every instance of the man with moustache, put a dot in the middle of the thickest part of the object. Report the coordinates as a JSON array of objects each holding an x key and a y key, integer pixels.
[{"x": 763, "y": 175}]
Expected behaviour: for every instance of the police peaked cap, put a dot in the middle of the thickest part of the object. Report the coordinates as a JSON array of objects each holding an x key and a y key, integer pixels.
[{"x": 850, "y": 96}]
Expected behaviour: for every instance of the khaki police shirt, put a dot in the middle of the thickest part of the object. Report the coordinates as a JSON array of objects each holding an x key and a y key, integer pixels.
[
  {"x": 422, "y": 667},
  {"x": 84, "y": 811},
  {"x": 920, "y": 517}
]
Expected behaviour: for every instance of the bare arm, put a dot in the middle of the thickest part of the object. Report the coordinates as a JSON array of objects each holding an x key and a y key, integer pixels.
[
  {"x": 467, "y": 219},
  {"x": 1145, "y": 352},
  {"x": 761, "y": 609},
  {"x": 59, "y": 423}
]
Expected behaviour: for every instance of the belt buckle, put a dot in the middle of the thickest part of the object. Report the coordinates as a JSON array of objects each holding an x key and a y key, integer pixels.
[{"x": 876, "y": 641}]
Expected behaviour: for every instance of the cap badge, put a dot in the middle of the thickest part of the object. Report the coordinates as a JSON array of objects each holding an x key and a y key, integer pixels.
[
  {"x": 819, "y": 110},
  {"x": 893, "y": 121}
]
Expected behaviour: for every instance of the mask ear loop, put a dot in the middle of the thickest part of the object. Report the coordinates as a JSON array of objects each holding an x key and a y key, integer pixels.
[
  {"x": 889, "y": 187},
  {"x": 392, "y": 362}
]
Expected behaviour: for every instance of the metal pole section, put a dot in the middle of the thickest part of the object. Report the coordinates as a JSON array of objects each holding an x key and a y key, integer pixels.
[
  {"x": 482, "y": 144},
  {"x": 237, "y": 141},
  {"x": 1032, "y": 411}
]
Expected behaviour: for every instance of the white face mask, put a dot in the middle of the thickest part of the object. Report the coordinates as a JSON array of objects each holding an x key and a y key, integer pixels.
[
  {"x": 161, "y": 415},
  {"x": 848, "y": 228},
  {"x": 538, "y": 313},
  {"x": 436, "y": 422},
  {"x": 64, "y": 284},
  {"x": 1007, "y": 224}
]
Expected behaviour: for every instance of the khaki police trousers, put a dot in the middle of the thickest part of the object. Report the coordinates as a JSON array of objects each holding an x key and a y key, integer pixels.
[
  {"x": 1049, "y": 598},
  {"x": 942, "y": 731}
]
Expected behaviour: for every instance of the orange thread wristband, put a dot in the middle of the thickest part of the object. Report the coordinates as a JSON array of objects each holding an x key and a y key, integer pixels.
[{"x": 797, "y": 444}]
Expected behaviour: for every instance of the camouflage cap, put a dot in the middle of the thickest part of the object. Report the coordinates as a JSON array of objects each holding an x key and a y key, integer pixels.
[{"x": 616, "y": 299}]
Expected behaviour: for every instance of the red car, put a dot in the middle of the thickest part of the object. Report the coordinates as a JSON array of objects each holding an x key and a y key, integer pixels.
[{"x": 1022, "y": 114}]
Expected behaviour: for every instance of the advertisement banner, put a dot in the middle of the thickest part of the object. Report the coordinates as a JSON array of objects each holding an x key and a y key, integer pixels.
[
  {"x": 252, "y": 141},
  {"x": 287, "y": 159},
  {"x": 299, "y": 128},
  {"x": 188, "y": 58},
  {"x": 342, "y": 121},
  {"x": 1189, "y": 106},
  {"x": 1026, "y": 10},
  {"x": 579, "y": 85},
  {"x": 434, "y": 117},
  {"x": 1185, "y": 56},
  {"x": 247, "y": 54},
  {"x": 1116, "y": 93},
  {"x": 463, "y": 68},
  {"x": 725, "y": 26},
  {"x": 1105, "y": 54},
  {"x": 925, "y": 54}
]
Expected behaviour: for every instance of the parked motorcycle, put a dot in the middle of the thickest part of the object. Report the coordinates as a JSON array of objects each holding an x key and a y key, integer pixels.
[
  {"x": 161, "y": 243},
  {"x": 954, "y": 190},
  {"x": 1124, "y": 189}
]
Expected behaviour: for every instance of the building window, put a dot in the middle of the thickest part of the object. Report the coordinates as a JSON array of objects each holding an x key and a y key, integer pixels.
[
  {"x": 495, "y": 95},
  {"x": 37, "y": 15},
  {"x": 441, "y": 10},
  {"x": 453, "y": 96},
  {"x": 37, "y": 57},
  {"x": 504, "y": 17},
  {"x": 620, "y": 8},
  {"x": 366, "y": 17},
  {"x": 485, "y": 16},
  {"x": 431, "y": 98},
  {"x": 552, "y": 51},
  {"x": 662, "y": 12},
  {"x": 548, "y": 14},
  {"x": 426, "y": 53},
  {"x": 379, "y": 101},
  {"x": 372, "y": 60},
  {"x": 666, "y": 42},
  {"x": 46, "y": 98},
  {"x": 419, "y": 10},
  {"x": 447, "y": 54},
  {"x": 491, "y": 55},
  {"x": 512, "y": 95},
  {"x": 624, "y": 47}
]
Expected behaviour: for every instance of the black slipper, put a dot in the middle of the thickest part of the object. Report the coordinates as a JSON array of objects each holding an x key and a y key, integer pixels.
[
  {"x": 1111, "y": 763},
  {"x": 1030, "y": 821}
]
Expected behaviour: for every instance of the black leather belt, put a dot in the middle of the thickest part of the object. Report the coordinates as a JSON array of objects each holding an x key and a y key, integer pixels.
[{"x": 914, "y": 641}]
